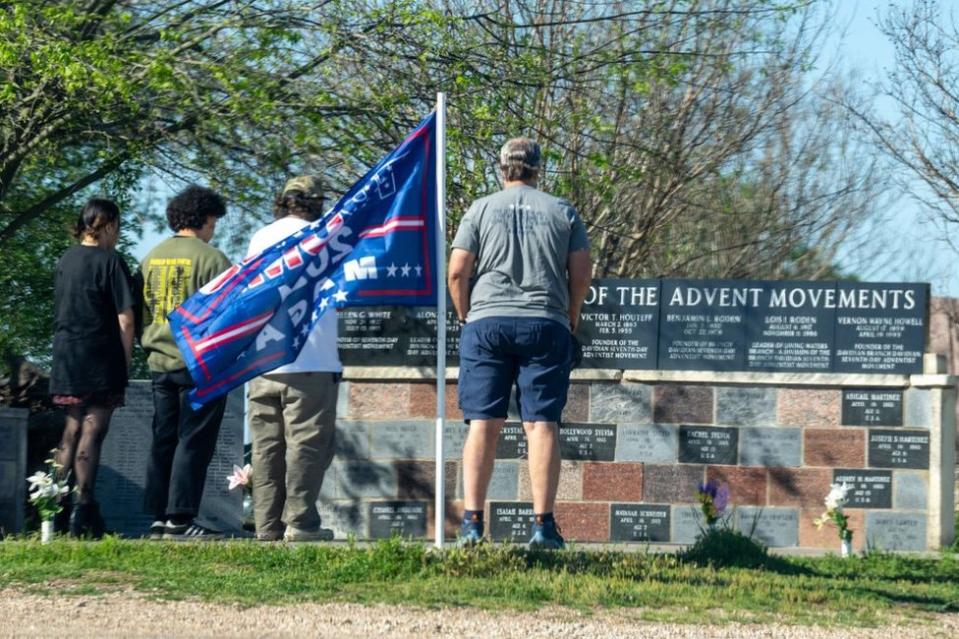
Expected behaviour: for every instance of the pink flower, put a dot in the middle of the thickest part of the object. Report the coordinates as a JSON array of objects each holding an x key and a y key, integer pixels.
[{"x": 241, "y": 477}]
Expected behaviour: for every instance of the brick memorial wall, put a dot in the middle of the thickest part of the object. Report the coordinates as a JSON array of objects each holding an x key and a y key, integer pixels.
[
  {"x": 634, "y": 451},
  {"x": 778, "y": 404}
]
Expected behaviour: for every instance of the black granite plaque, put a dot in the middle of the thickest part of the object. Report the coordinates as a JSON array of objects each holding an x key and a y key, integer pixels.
[
  {"x": 394, "y": 336},
  {"x": 402, "y": 518},
  {"x": 872, "y": 407},
  {"x": 790, "y": 330},
  {"x": 510, "y": 521},
  {"x": 899, "y": 448},
  {"x": 870, "y": 488},
  {"x": 13, "y": 469},
  {"x": 702, "y": 323},
  {"x": 587, "y": 442},
  {"x": 714, "y": 325},
  {"x": 619, "y": 324},
  {"x": 122, "y": 475},
  {"x": 639, "y": 522},
  {"x": 512, "y": 442},
  {"x": 708, "y": 445},
  {"x": 880, "y": 328}
]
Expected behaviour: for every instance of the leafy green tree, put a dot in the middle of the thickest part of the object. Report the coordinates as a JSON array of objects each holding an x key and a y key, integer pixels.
[{"x": 677, "y": 127}]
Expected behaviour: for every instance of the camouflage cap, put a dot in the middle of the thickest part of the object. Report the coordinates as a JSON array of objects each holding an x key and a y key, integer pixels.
[{"x": 308, "y": 185}]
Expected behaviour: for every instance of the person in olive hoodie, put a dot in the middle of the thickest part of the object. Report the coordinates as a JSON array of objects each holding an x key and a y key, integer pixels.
[{"x": 184, "y": 439}]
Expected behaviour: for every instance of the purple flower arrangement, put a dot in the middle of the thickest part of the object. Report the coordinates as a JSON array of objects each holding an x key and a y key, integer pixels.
[{"x": 713, "y": 497}]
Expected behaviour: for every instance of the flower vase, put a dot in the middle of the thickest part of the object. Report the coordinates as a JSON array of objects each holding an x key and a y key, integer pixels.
[
  {"x": 46, "y": 531},
  {"x": 846, "y": 549}
]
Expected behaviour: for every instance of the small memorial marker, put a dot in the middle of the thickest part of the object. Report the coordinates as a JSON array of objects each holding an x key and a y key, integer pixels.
[
  {"x": 896, "y": 531},
  {"x": 775, "y": 527},
  {"x": 778, "y": 447},
  {"x": 510, "y": 521},
  {"x": 688, "y": 524},
  {"x": 512, "y": 442},
  {"x": 708, "y": 445},
  {"x": 403, "y": 518},
  {"x": 639, "y": 522},
  {"x": 587, "y": 442},
  {"x": 870, "y": 488},
  {"x": 872, "y": 407},
  {"x": 653, "y": 443},
  {"x": 899, "y": 449}
]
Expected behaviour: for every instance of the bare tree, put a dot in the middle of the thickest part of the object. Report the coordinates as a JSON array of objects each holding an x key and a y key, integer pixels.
[{"x": 924, "y": 85}]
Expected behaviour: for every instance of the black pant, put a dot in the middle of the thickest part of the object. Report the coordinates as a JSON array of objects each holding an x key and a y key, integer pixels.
[{"x": 183, "y": 444}]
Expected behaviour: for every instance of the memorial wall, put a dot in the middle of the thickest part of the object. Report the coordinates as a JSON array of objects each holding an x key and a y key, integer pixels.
[
  {"x": 777, "y": 388},
  {"x": 705, "y": 325}
]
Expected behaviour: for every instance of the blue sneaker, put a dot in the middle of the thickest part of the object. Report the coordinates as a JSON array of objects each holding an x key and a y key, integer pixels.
[
  {"x": 471, "y": 533},
  {"x": 546, "y": 536}
]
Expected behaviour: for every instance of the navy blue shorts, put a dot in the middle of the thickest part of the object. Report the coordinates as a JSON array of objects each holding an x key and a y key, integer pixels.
[{"x": 531, "y": 353}]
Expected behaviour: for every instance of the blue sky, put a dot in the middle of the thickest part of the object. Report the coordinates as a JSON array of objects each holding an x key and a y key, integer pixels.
[{"x": 913, "y": 248}]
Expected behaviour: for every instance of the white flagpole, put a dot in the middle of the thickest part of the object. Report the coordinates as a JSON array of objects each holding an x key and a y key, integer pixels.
[{"x": 440, "y": 488}]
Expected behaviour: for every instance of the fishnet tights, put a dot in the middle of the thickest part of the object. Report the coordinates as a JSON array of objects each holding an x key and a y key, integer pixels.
[{"x": 79, "y": 450}]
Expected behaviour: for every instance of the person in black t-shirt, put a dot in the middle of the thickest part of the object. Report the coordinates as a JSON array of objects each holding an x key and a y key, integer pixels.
[{"x": 92, "y": 346}]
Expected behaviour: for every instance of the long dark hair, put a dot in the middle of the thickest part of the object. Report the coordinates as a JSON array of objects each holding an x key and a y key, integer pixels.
[{"x": 97, "y": 214}]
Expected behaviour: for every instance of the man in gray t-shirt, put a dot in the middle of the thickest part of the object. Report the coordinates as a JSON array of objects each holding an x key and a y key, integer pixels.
[{"x": 518, "y": 275}]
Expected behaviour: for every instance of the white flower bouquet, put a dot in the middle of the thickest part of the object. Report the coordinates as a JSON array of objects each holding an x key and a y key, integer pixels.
[
  {"x": 46, "y": 495},
  {"x": 835, "y": 502}
]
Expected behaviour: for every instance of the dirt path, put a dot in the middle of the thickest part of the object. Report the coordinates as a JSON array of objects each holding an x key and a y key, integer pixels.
[{"x": 130, "y": 614}]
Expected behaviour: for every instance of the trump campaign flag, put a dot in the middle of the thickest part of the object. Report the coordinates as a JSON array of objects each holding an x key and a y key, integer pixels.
[{"x": 377, "y": 245}]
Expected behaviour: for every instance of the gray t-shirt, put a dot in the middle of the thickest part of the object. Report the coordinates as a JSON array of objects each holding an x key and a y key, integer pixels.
[{"x": 521, "y": 238}]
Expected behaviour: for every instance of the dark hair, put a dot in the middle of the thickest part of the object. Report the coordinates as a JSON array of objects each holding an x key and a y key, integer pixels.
[
  {"x": 296, "y": 203},
  {"x": 191, "y": 206},
  {"x": 97, "y": 214}
]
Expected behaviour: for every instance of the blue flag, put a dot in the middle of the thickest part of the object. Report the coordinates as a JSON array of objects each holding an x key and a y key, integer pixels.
[{"x": 377, "y": 245}]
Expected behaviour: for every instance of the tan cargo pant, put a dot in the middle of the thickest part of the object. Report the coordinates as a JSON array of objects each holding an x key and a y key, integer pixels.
[{"x": 292, "y": 419}]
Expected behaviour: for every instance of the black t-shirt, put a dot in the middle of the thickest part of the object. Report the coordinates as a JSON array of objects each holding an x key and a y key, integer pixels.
[{"x": 92, "y": 286}]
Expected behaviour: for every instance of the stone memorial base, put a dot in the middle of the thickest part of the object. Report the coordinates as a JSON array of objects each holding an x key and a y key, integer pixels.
[
  {"x": 635, "y": 448},
  {"x": 122, "y": 476}
]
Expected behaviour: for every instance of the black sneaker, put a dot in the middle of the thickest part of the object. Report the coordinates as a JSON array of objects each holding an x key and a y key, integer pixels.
[
  {"x": 157, "y": 528},
  {"x": 190, "y": 532}
]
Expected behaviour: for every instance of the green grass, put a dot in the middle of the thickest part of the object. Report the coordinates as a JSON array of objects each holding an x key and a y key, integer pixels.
[{"x": 716, "y": 582}]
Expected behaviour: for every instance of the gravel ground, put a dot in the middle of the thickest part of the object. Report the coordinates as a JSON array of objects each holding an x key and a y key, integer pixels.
[{"x": 130, "y": 614}]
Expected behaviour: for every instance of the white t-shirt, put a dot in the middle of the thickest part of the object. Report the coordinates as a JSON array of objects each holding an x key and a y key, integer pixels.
[{"x": 319, "y": 354}]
